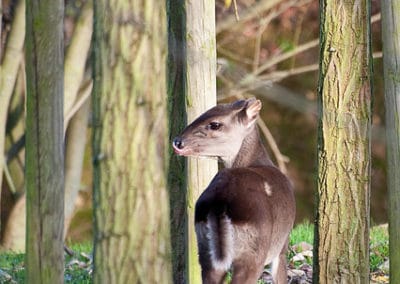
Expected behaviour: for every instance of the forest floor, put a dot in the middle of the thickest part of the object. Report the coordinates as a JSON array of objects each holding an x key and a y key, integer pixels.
[
  {"x": 300, "y": 257},
  {"x": 79, "y": 264}
]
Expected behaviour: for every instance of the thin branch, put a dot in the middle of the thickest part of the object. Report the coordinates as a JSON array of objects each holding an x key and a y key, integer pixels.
[
  {"x": 280, "y": 158},
  {"x": 231, "y": 55},
  {"x": 279, "y": 58},
  {"x": 236, "y": 10},
  {"x": 280, "y": 75},
  {"x": 252, "y": 12},
  {"x": 76, "y": 56},
  {"x": 9, "y": 179},
  {"x": 84, "y": 95},
  {"x": 265, "y": 22},
  {"x": 268, "y": 89}
]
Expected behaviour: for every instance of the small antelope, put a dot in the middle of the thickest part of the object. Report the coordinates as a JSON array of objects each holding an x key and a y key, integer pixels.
[{"x": 244, "y": 217}]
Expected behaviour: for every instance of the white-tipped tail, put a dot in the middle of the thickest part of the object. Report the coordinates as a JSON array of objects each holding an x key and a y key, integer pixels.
[{"x": 220, "y": 239}]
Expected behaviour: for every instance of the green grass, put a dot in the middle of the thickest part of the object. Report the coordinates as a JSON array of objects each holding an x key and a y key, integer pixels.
[
  {"x": 77, "y": 267},
  {"x": 303, "y": 232},
  {"x": 379, "y": 242},
  {"x": 379, "y": 246},
  {"x": 13, "y": 265}
]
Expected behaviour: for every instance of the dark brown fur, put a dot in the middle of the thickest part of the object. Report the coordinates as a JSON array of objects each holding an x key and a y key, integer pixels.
[{"x": 244, "y": 217}]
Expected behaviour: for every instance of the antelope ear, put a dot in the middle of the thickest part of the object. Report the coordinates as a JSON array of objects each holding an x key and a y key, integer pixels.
[{"x": 253, "y": 108}]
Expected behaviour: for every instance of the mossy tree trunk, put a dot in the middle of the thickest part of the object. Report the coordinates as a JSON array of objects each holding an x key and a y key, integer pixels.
[
  {"x": 132, "y": 242},
  {"x": 192, "y": 86},
  {"x": 342, "y": 231},
  {"x": 391, "y": 68},
  {"x": 177, "y": 173},
  {"x": 44, "y": 141}
]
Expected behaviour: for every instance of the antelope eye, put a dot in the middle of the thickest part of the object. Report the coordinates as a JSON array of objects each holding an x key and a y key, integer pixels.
[{"x": 214, "y": 125}]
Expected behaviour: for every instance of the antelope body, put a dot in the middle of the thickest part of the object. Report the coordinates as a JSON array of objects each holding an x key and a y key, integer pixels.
[{"x": 244, "y": 217}]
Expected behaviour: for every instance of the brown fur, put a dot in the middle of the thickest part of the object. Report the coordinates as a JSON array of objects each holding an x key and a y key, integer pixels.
[{"x": 244, "y": 217}]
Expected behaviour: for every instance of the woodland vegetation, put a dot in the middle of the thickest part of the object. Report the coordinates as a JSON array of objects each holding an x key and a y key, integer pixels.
[{"x": 268, "y": 49}]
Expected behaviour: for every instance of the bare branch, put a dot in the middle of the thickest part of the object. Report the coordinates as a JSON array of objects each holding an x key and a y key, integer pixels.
[
  {"x": 76, "y": 56},
  {"x": 85, "y": 93},
  {"x": 250, "y": 13},
  {"x": 279, "y": 58},
  {"x": 280, "y": 158},
  {"x": 9, "y": 179},
  {"x": 280, "y": 75},
  {"x": 236, "y": 10}
]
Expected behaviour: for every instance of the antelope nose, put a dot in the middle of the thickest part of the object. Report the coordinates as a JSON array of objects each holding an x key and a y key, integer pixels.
[{"x": 178, "y": 143}]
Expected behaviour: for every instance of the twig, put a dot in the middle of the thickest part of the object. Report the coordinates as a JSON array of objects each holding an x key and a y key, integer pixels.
[
  {"x": 277, "y": 76},
  {"x": 268, "y": 89},
  {"x": 253, "y": 11},
  {"x": 236, "y": 10},
  {"x": 233, "y": 56},
  {"x": 279, "y": 58},
  {"x": 280, "y": 159},
  {"x": 69, "y": 251},
  {"x": 9, "y": 179},
  {"x": 84, "y": 94},
  {"x": 265, "y": 22}
]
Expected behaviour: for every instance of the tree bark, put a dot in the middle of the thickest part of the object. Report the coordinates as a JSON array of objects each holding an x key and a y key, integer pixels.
[
  {"x": 177, "y": 172},
  {"x": 13, "y": 55},
  {"x": 44, "y": 141},
  {"x": 344, "y": 148},
  {"x": 391, "y": 71},
  {"x": 192, "y": 90},
  {"x": 129, "y": 143},
  {"x": 201, "y": 95}
]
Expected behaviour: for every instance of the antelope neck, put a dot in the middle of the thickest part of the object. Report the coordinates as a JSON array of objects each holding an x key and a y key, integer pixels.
[{"x": 251, "y": 153}]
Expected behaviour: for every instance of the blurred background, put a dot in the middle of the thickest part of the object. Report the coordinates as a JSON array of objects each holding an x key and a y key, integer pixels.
[{"x": 271, "y": 53}]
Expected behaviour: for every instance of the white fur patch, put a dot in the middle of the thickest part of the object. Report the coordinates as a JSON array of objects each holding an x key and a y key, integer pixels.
[
  {"x": 267, "y": 188},
  {"x": 274, "y": 268},
  {"x": 212, "y": 236}
]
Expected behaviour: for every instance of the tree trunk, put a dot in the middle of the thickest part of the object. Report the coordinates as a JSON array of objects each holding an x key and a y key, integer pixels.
[
  {"x": 44, "y": 142},
  {"x": 129, "y": 143},
  {"x": 391, "y": 68},
  {"x": 201, "y": 95},
  {"x": 177, "y": 172},
  {"x": 8, "y": 72},
  {"x": 192, "y": 76},
  {"x": 342, "y": 231},
  {"x": 75, "y": 92}
]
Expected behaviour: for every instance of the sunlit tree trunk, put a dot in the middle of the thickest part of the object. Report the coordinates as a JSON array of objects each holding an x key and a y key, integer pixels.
[
  {"x": 10, "y": 64},
  {"x": 342, "y": 254},
  {"x": 391, "y": 68},
  {"x": 44, "y": 141},
  {"x": 132, "y": 242},
  {"x": 192, "y": 65},
  {"x": 201, "y": 86}
]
